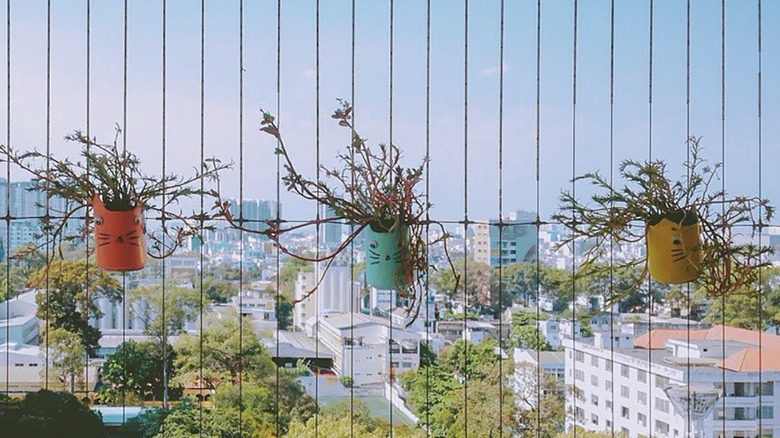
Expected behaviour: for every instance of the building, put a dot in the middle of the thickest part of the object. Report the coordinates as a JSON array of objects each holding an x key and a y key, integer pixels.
[
  {"x": 18, "y": 323},
  {"x": 365, "y": 347},
  {"x": 515, "y": 241},
  {"x": 332, "y": 229},
  {"x": 619, "y": 384},
  {"x": 258, "y": 305},
  {"x": 529, "y": 365},
  {"x": 23, "y": 202},
  {"x": 472, "y": 331},
  {"x": 333, "y": 294},
  {"x": 255, "y": 212},
  {"x": 24, "y": 365}
]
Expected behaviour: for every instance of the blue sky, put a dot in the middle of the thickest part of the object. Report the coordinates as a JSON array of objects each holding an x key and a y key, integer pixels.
[{"x": 298, "y": 71}]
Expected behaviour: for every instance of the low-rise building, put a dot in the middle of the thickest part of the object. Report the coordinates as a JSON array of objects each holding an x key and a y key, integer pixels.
[{"x": 18, "y": 323}]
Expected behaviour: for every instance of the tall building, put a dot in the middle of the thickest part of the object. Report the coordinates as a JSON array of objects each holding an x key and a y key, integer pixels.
[
  {"x": 333, "y": 294},
  {"x": 254, "y": 211},
  {"x": 517, "y": 242},
  {"x": 27, "y": 205},
  {"x": 332, "y": 230},
  {"x": 621, "y": 383}
]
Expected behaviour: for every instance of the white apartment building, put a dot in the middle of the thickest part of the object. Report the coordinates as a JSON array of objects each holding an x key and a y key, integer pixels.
[
  {"x": 333, "y": 294},
  {"x": 620, "y": 385},
  {"x": 365, "y": 347},
  {"x": 258, "y": 305}
]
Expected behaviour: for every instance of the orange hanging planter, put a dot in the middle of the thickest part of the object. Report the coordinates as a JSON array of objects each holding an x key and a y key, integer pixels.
[{"x": 120, "y": 237}]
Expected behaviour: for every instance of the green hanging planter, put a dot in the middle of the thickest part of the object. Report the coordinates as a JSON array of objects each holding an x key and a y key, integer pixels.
[{"x": 384, "y": 267}]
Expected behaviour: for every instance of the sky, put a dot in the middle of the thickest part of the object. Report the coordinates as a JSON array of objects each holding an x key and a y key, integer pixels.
[{"x": 464, "y": 164}]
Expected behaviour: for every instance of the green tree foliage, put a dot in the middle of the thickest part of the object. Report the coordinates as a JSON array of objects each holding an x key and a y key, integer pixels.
[
  {"x": 474, "y": 275},
  {"x": 284, "y": 312},
  {"x": 546, "y": 417},
  {"x": 230, "y": 348},
  {"x": 524, "y": 333},
  {"x": 741, "y": 308},
  {"x": 70, "y": 303},
  {"x": 67, "y": 361},
  {"x": 137, "y": 368},
  {"x": 288, "y": 273},
  {"x": 218, "y": 289},
  {"x": 436, "y": 394},
  {"x": 47, "y": 414},
  {"x": 344, "y": 421},
  {"x": 181, "y": 305}
]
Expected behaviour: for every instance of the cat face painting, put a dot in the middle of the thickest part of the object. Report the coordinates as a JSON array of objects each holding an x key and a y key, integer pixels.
[
  {"x": 120, "y": 237},
  {"x": 383, "y": 259},
  {"x": 674, "y": 249}
]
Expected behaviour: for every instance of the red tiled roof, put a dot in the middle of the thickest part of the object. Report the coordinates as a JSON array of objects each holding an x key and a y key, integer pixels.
[
  {"x": 656, "y": 339},
  {"x": 747, "y": 360}
]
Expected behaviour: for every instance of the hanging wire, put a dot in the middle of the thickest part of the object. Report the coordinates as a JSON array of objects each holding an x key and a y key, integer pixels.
[
  {"x": 501, "y": 219},
  {"x": 427, "y": 211},
  {"x": 538, "y": 222},
  {"x": 164, "y": 152},
  {"x": 465, "y": 211},
  {"x": 317, "y": 204},
  {"x": 760, "y": 233},
  {"x": 688, "y": 178},
  {"x": 241, "y": 217},
  {"x": 7, "y": 190},
  {"x": 47, "y": 184},
  {"x": 351, "y": 233},
  {"x": 86, "y": 247},
  {"x": 650, "y": 376},
  {"x": 573, "y": 186},
  {"x": 278, "y": 186},
  {"x": 124, "y": 149},
  {"x": 390, "y": 126},
  {"x": 202, "y": 153},
  {"x": 612, "y": 204},
  {"x": 723, "y": 181}
]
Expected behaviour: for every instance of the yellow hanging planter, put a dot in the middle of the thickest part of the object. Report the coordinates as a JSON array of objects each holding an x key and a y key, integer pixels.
[{"x": 673, "y": 247}]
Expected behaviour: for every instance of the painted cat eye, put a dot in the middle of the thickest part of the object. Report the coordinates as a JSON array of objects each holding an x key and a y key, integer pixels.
[
  {"x": 373, "y": 244},
  {"x": 99, "y": 220}
]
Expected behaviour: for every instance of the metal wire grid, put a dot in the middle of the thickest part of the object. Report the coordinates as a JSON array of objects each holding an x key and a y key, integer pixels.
[{"x": 465, "y": 221}]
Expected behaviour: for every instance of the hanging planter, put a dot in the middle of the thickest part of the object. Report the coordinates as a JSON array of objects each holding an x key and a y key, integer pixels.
[
  {"x": 384, "y": 257},
  {"x": 673, "y": 247},
  {"x": 111, "y": 182},
  {"x": 120, "y": 237},
  {"x": 372, "y": 190},
  {"x": 686, "y": 226}
]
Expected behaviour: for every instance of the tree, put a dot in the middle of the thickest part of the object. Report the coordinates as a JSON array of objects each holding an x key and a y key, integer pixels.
[
  {"x": 66, "y": 357},
  {"x": 230, "y": 350},
  {"x": 74, "y": 288},
  {"x": 181, "y": 306},
  {"x": 474, "y": 276},
  {"x": 218, "y": 289},
  {"x": 288, "y": 274},
  {"x": 137, "y": 368},
  {"x": 47, "y": 414},
  {"x": 284, "y": 312},
  {"x": 546, "y": 416},
  {"x": 488, "y": 411},
  {"x": 465, "y": 359},
  {"x": 741, "y": 307}
]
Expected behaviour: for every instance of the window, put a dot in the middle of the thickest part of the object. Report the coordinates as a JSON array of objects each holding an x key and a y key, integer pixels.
[
  {"x": 768, "y": 388},
  {"x": 579, "y": 375},
  {"x": 609, "y": 424},
  {"x": 661, "y": 427},
  {"x": 609, "y": 405},
  {"x": 580, "y": 394},
  {"x": 624, "y": 391},
  {"x": 642, "y": 397},
  {"x": 767, "y": 412},
  {"x": 579, "y": 414},
  {"x": 579, "y": 356},
  {"x": 624, "y": 412},
  {"x": 608, "y": 385},
  {"x": 661, "y": 382},
  {"x": 594, "y": 360},
  {"x": 641, "y": 376},
  {"x": 624, "y": 371},
  {"x": 607, "y": 364},
  {"x": 594, "y": 400},
  {"x": 594, "y": 380},
  {"x": 662, "y": 405},
  {"x": 641, "y": 419},
  {"x": 594, "y": 419}
]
